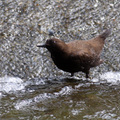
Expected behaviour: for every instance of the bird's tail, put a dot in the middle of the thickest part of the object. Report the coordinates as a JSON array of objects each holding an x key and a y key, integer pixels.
[{"x": 105, "y": 34}]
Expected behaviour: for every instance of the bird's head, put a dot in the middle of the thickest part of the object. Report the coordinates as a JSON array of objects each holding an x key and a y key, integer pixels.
[{"x": 53, "y": 45}]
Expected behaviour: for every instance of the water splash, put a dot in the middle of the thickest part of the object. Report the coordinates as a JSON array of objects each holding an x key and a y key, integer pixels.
[
  {"x": 111, "y": 77},
  {"x": 11, "y": 84}
]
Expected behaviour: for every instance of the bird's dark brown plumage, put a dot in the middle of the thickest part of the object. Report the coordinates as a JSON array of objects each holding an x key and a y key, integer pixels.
[{"x": 78, "y": 55}]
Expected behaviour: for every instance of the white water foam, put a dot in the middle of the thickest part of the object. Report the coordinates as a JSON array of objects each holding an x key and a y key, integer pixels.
[
  {"x": 111, "y": 77},
  {"x": 11, "y": 84}
]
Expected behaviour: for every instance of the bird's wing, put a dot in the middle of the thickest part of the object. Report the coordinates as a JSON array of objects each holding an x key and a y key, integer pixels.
[{"x": 86, "y": 57}]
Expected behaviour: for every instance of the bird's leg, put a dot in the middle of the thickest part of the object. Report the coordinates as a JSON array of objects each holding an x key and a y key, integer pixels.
[
  {"x": 87, "y": 74},
  {"x": 72, "y": 74}
]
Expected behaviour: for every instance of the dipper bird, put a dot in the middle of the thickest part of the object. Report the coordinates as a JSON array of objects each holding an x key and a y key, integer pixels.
[{"x": 78, "y": 55}]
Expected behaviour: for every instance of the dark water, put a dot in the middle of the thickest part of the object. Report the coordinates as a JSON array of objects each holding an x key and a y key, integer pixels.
[{"x": 31, "y": 87}]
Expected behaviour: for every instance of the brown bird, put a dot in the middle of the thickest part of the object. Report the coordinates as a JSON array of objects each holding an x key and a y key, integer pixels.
[{"x": 78, "y": 55}]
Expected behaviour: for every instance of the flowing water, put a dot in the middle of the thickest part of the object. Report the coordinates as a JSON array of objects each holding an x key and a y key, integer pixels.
[{"x": 31, "y": 87}]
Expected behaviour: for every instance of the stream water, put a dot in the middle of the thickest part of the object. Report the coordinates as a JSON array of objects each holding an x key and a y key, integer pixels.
[{"x": 31, "y": 87}]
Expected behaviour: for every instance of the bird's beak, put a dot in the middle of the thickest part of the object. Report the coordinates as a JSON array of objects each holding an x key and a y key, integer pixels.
[{"x": 41, "y": 45}]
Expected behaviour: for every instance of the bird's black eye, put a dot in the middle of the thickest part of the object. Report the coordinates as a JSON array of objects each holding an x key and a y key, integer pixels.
[{"x": 51, "y": 42}]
